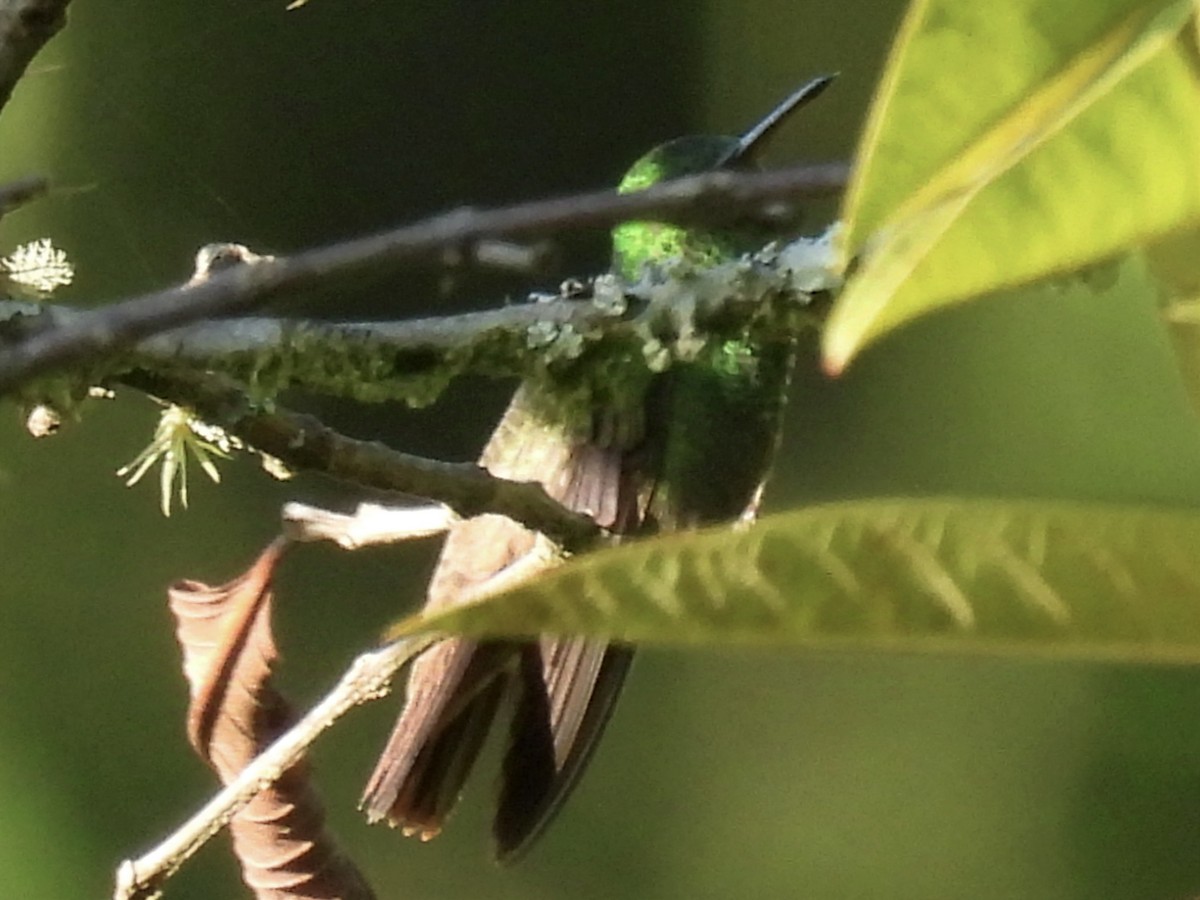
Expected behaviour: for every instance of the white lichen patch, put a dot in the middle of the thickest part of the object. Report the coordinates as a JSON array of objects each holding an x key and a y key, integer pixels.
[
  {"x": 567, "y": 344},
  {"x": 814, "y": 264},
  {"x": 540, "y": 334},
  {"x": 39, "y": 266},
  {"x": 657, "y": 356},
  {"x": 608, "y": 295},
  {"x": 557, "y": 341},
  {"x": 215, "y": 435}
]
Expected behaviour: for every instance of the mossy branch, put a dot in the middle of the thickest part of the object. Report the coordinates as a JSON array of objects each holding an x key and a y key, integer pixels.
[
  {"x": 570, "y": 339},
  {"x": 49, "y": 345}
]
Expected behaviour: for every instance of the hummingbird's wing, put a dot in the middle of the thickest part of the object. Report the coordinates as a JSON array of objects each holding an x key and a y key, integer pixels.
[
  {"x": 572, "y": 685},
  {"x": 565, "y": 687}
]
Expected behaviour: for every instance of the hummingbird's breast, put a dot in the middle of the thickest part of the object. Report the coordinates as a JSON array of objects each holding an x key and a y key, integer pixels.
[{"x": 717, "y": 419}]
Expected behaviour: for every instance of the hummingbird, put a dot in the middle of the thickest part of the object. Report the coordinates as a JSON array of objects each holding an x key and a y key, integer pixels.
[{"x": 694, "y": 451}]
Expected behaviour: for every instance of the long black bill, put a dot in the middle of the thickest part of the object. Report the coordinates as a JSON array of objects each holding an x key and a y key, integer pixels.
[{"x": 752, "y": 140}]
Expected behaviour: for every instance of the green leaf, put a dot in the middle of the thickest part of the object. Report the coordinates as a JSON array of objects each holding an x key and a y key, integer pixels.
[
  {"x": 1009, "y": 142},
  {"x": 1069, "y": 579}
]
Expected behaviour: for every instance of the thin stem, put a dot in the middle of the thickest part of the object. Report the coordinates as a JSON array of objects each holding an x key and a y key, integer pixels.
[
  {"x": 303, "y": 443},
  {"x": 25, "y": 27}
]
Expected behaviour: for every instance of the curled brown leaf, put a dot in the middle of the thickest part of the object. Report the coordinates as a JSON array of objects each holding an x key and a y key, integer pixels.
[{"x": 235, "y": 712}]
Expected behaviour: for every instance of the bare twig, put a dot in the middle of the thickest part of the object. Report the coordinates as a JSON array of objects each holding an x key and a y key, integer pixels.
[
  {"x": 366, "y": 679},
  {"x": 25, "y": 27},
  {"x": 369, "y": 524},
  {"x": 713, "y": 196},
  {"x": 17, "y": 193},
  {"x": 304, "y": 443}
]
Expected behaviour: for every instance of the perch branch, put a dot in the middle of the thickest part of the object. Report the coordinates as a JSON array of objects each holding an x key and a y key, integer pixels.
[
  {"x": 414, "y": 360},
  {"x": 712, "y": 196}
]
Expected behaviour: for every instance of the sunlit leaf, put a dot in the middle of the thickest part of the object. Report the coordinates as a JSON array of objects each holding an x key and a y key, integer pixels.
[
  {"x": 1070, "y": 132},
  {"x": 1099, "y": 581}
]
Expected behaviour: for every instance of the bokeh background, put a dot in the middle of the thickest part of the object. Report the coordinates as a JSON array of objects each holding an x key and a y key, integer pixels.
[{"x": 724, "y": 773}]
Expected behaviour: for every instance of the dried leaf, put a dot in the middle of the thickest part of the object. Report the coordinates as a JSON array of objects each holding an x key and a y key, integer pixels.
[{"x": 235, "y": 712}]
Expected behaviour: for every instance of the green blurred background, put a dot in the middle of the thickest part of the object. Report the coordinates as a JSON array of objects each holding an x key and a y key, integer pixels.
[{"x": 723, "y": 774}]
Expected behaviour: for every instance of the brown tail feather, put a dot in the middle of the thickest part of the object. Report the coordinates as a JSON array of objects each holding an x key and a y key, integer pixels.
[
  {"x": 565, "y": 687},
  {"x": 437, "y": 737},
  {"x": 547, "y": 753}
]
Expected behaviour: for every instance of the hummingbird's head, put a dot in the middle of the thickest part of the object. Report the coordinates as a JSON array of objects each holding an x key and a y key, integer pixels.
[{"x": 638, "y": 243}]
